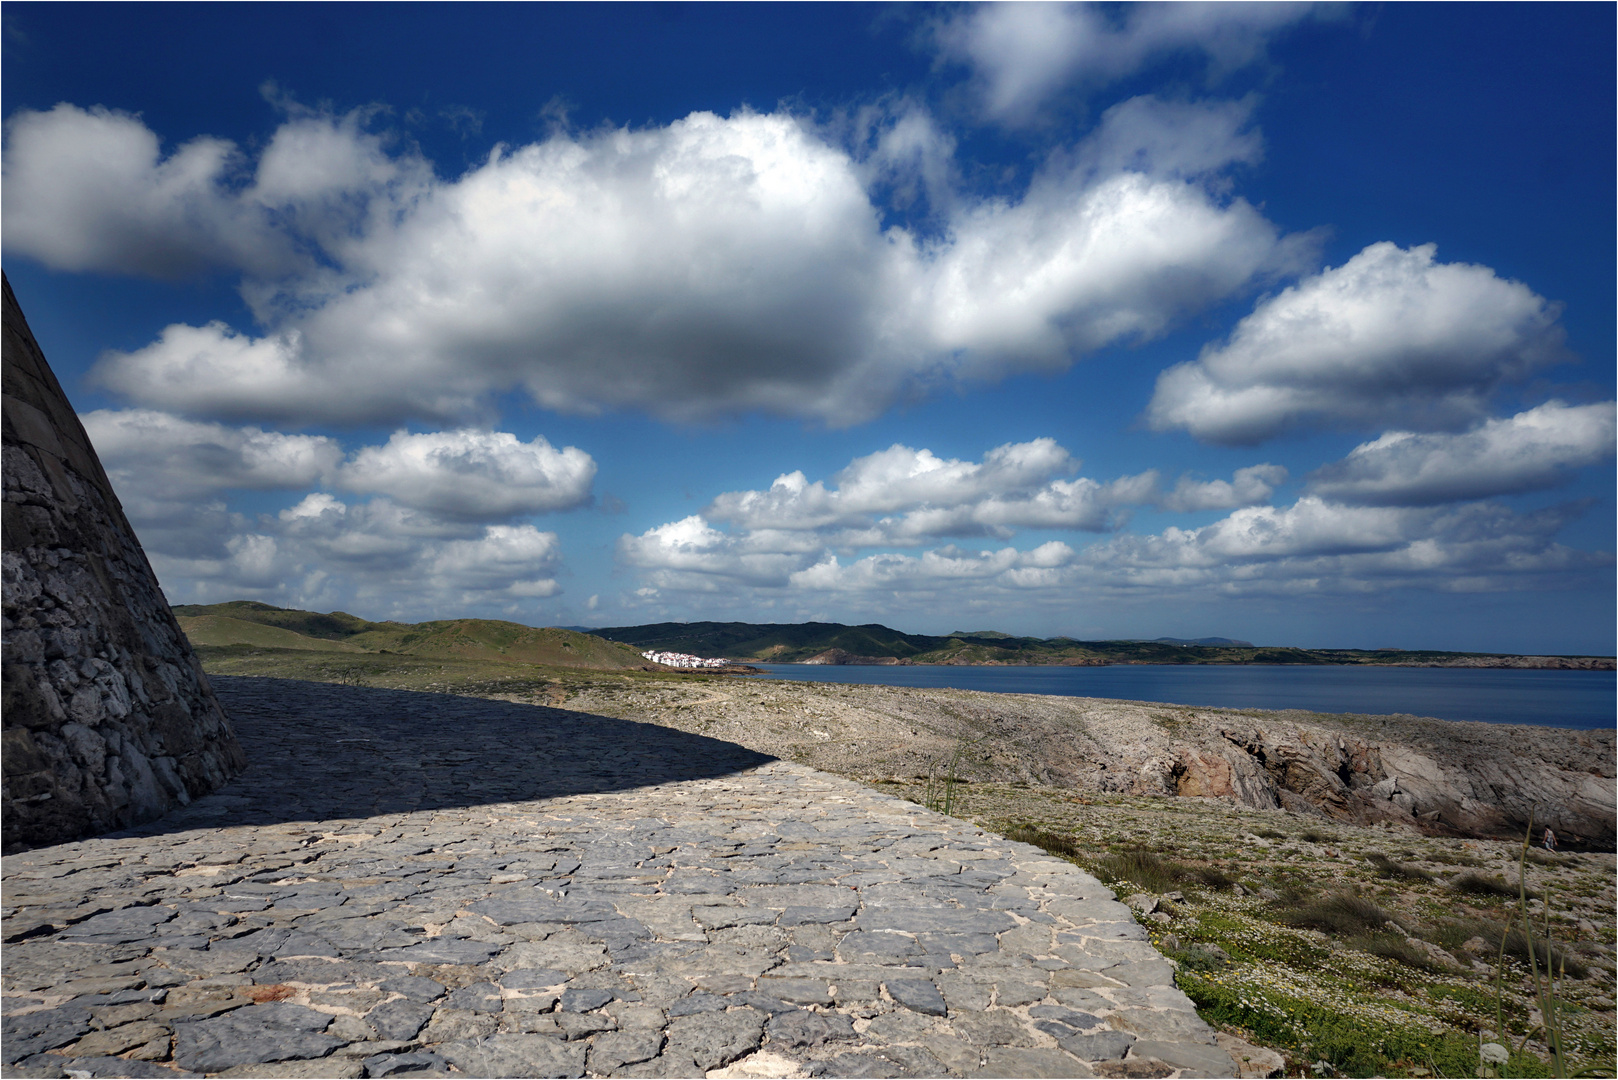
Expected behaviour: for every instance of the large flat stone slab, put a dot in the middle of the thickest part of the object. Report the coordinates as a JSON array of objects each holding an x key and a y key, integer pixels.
[{"x": 414, "y": 882}]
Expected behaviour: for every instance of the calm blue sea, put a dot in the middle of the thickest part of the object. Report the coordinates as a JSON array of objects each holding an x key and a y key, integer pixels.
[{"x": 1569, "y": 699}]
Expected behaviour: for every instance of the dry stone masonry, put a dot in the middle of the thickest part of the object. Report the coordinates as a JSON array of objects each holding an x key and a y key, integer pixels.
[
  {"x": 419, "y": 884},
  {"x": 108, "y": 718}
]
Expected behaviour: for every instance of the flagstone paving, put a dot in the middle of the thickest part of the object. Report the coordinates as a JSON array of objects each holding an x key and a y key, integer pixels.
[{"x": 408, "y": 884}]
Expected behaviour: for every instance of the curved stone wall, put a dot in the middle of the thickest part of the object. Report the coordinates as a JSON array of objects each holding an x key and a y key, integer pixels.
[{"x": 108, "y": 718}]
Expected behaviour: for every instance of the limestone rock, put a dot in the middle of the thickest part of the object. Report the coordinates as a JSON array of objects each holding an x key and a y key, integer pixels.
[{"x": 108, "y": 718}]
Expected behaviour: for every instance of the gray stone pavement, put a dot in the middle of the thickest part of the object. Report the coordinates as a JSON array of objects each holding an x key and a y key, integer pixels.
[{"x": 408, "y": 884}]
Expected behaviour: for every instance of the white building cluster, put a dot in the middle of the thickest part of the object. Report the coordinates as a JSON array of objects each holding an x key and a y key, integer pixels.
[{"x": 680, "y": 659}]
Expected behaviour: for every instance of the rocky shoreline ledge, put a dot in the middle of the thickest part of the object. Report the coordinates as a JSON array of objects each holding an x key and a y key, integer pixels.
[{"x": 1442, "y": 778}]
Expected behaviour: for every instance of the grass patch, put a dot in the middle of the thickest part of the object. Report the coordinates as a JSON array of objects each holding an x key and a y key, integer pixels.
[
  {"x": 1052, "y": 843},
  {"x": 1337, "y": 913},
  {"x": 1386, "y": 867},
  {"x": 1392, "y": 947},
  {"x": 1478, "y": 885},
  {"x": 1158, "y": 874},
  {"x": 1353, "y": 1045}
]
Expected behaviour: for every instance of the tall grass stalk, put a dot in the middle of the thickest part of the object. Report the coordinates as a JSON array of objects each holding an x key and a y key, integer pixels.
[{"x": 940, "y": 795}]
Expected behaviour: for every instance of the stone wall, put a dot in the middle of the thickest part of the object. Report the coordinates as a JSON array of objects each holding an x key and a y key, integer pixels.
[{"x": 108, "y": 718}]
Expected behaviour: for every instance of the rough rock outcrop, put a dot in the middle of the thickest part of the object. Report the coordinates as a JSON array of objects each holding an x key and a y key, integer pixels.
[
  {"x": 1438, "y": 776},
  {"x": 108, "y": 718}
]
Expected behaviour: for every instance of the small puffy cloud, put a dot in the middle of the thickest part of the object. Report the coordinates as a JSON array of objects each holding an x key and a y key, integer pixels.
[
  {"x": 1391, "y": 337},
  {"x": 474, "y": 475},
  {"x": 694, "y": 553},
  {"x": 323, "y": 553},
  {"x": 715, "y": 266},
  {"x": 1249, "y": 487},
  {"x": 516, "y": 559},
  {"x": 903, "y": 496},
  {"x": 445, "y": 475},
  {"x": 168, "y": 457},
  {"x": 434, "y": 539},
  {"x": 942, "y": 568},
  {"x": 1021, "y": 54},
  {"x": 1532, "y": 450}
]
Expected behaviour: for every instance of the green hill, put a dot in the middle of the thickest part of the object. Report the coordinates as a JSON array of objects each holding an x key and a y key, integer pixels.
[
  {"x": 248, "y": 622},
  {"x": 224, "y": 630}
]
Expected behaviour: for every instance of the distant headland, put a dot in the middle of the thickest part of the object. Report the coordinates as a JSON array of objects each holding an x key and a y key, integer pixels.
[{"x": 872, "y": 643}]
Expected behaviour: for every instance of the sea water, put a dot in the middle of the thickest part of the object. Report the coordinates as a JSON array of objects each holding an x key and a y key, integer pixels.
[{"x": 1567, "y": 699}]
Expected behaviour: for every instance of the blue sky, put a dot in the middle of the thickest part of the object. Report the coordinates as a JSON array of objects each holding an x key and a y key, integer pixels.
[{"x": 1284, "y": 322}]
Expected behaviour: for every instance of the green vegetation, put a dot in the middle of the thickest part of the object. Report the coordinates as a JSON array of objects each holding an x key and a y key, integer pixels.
[
  {"x": 1316, "y": 942},
  {"x": 252, "y": 624}
]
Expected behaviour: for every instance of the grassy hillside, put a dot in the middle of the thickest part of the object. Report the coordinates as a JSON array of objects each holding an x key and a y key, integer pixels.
[
  {"x": 249, "y": 623},
  {"x": 337, "y": 626},
  {"x": 224, "y": 630}
]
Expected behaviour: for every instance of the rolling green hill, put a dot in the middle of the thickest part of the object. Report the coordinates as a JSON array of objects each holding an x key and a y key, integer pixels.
[
  {"x": 248, "y": 622},
  {"x": 224, "y": 630}
]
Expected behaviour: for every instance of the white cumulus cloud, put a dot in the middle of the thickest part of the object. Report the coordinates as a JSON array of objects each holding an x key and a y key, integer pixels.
[
  {"x": 1526, "y": 452},
  {"x": 169, "y": 457},
  {"x": 1249, "y": 487},
  {"x": 1021, "y": 54},
  {"x": 1391, "y": 337},
  {"x": 714, "y": 266},
  {"x": 475, "y": 475}
]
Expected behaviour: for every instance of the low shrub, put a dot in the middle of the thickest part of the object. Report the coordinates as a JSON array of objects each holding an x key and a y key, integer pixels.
[
  {"x": 1478, "y": 885},
  {"x": 1054, "y": 843},
  {"x": 1452, "y": 935},
  {"x": 1392, "y": 947},
  {"x": 1337, "y": 913},
  {"x": 1386, "y": 867}
]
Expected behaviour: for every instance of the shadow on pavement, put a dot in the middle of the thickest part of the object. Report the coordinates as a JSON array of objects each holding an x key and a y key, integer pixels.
[{"x": 319, "y": 752}]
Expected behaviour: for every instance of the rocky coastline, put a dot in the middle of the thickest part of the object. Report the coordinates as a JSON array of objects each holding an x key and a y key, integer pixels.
[{"x": 1437, "y": 777}]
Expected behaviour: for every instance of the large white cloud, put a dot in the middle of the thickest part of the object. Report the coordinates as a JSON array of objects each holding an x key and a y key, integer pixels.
[
  {"x": 1391, "y": 337},
  {"x": 714, "y": 266},
  {"x": 476, "y": 475},
  {"x": 1526, "y": 452},
  {"x": 1023, "y": 53}
]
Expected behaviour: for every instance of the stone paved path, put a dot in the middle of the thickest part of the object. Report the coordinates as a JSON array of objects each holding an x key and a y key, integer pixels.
[{"x": 409, "y": 884}]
